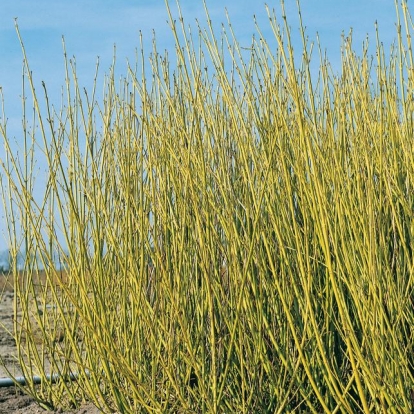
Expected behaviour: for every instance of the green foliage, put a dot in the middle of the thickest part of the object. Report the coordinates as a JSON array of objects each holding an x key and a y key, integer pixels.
[{"x": 240, "y": 238}]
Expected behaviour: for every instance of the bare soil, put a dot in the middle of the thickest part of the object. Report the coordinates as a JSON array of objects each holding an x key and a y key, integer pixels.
[{"x": 13, "y": 399}]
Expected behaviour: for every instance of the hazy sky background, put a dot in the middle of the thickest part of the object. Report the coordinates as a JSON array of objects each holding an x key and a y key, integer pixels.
[{"x": 91, "y": 28}]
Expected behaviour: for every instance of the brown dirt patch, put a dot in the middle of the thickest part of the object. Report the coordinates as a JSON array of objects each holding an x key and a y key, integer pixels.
[{"x": 12, "y": 399}]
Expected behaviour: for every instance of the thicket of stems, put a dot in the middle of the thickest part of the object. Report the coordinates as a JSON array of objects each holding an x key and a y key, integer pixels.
[{"x": 239, "y": 231}]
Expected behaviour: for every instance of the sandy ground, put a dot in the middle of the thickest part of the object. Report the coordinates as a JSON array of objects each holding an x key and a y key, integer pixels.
[{"x": 13, "y": 400}]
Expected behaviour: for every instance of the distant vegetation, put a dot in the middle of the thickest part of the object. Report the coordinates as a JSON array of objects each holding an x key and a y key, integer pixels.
[
  {"x": 240, "y": 232},
  {"x": 8, "y": 261}
]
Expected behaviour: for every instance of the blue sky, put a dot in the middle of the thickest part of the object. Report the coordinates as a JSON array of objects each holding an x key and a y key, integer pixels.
[{"x": 91, "y": 28}]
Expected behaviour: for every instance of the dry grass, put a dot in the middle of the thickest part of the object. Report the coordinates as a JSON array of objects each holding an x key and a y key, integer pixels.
[
  {"x": 301, "y": 189},
  {"x": 9, "y": 280}
]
